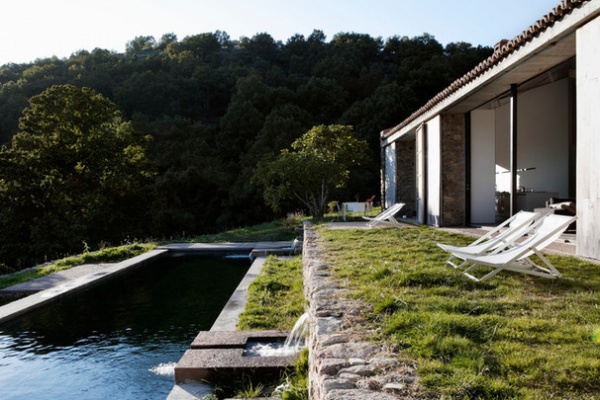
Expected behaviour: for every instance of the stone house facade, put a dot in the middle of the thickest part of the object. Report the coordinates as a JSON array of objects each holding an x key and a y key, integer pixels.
[{"x": 523, "y": 126}]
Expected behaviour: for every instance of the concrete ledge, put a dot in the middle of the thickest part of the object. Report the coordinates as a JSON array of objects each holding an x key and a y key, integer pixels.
[
  {"x": 230, "y": 314},
  {"x": 236, "y": 339},
  {"x": 229, "y": 246},
  {"x": 199, "y": 365},
  {"x": 189, "y": 391},
  {"x": 221, "y": 354}
]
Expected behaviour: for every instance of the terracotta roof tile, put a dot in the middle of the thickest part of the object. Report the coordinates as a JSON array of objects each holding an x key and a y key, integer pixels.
[{"x": 502, "y": 49}]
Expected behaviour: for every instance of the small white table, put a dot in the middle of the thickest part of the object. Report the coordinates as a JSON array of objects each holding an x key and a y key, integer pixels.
[{"x": 353, "y": 207}]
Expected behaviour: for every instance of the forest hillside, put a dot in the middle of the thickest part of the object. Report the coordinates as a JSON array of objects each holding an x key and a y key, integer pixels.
[{"x": 211, "y": 108}]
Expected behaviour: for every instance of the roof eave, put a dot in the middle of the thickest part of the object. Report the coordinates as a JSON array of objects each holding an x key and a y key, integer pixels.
[{"x": 530, "y": 45}]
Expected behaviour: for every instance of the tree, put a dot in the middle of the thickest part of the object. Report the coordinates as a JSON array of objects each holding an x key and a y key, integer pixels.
[
  {"x": 318, "y": 163},
  {"x": 75, "y": 172}
]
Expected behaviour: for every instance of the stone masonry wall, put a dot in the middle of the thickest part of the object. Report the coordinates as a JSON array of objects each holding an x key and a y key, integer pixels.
[
  {"x": 453, "y": 170},
  {"x": 342, "y": 364}
]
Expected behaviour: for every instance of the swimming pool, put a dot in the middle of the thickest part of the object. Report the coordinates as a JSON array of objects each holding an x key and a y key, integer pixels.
[{"x": 119, "y": 340}]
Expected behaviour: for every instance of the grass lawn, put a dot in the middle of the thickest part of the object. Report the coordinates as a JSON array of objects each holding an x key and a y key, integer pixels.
[
  {"x": 513, "y": 337},
  {"x": 278, "y": 230},
  {"x": 275, "y": 298}
]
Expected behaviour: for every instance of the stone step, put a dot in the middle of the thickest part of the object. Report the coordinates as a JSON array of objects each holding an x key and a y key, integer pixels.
[{"x": 221, "y": 354}]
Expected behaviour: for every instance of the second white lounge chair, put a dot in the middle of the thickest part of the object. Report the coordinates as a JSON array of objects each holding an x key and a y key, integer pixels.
[
  {"x": 498, "y": 237},
  {"x": 517, "y": 258},
  {"x": 387, "y": 215}
]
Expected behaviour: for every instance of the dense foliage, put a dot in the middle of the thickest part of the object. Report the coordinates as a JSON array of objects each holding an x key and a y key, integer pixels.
[
  {"x": 75, "y": 172},
  {"x": 215, "y": 106}
]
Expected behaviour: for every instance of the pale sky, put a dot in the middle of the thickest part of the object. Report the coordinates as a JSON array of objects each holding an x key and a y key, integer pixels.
[{"x": 31, "y": 29}]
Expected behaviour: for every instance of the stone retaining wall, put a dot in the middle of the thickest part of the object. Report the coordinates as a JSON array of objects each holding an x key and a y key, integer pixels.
[{"x": 342, "y": 364}]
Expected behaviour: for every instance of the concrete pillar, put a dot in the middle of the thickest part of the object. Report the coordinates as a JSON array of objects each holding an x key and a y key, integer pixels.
[{"x": 588, "y": 140}]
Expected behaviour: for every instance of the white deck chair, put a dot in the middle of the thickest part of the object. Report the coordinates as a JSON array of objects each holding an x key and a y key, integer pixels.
[
  {"x": 387, "y": 215},
  {"x": 516, "y": 258},
  {"x": 518, "y": 225}
]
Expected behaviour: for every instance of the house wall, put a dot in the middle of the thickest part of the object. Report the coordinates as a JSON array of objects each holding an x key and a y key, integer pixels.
[
  {"x": 543, "y": 140},
  {"x": 406, "y": 187},
  {"x": 421, "y": 173},
  {"x": 588, "y": 140},
  {"x": 390, "y": 175},
  {"x": 453, "y": 170},
  {"x": 433, "y": 171},
  {"x": 483, "y": 153}
]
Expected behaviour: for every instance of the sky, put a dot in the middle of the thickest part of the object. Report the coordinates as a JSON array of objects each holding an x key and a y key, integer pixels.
[{"x": 32, "y": 29}]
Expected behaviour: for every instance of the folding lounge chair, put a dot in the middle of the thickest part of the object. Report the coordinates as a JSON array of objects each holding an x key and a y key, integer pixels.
[
  {"x": 497, "y": 238},
  {"x": 387, "y": 215},
  {"x": 516, "y": 258}
]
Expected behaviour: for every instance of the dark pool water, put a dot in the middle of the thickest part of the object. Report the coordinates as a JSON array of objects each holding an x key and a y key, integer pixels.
[{"x": 121, "y": 339}]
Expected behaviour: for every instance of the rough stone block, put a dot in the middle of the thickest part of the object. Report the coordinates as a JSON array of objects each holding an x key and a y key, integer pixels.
[
  {"x": 359, "y": 394},
  {"x": 362, "y": 370},
  {"x": 333, "y": 384},
  {"x": 331, "y": 366}
]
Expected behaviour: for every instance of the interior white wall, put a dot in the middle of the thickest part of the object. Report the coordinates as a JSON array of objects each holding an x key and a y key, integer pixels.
[
  {"x": 588, "y": 140},
  {"x": 483, "y": 147},
  {"x": 543, "y": 140},
  {"x": 420, "y": 172},
  {"x": 434, "y": 180},
  {"x": 390, "y": 175},
  {"x": 502, "y": 126}
]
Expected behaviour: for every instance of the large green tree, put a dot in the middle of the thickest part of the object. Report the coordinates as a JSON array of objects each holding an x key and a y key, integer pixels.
[
  {"x": 76, "y": 171},
  {"x": 317, "y": 164}
]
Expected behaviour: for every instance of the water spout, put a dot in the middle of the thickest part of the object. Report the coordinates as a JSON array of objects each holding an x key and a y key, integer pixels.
[
  {"x": 295, "y": 342},
  {"x": 297, "y": 337}
]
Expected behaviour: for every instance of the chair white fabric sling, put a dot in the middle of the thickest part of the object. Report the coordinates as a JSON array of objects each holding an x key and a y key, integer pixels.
[
  {"x": 517, "y": 258},
  {"x": 498, "y": 237},
  {"x": 387, "y": 215}
]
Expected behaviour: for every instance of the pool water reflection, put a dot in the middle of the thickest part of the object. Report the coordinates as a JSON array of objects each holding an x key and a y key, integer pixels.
[{"x": 121, "y": 339}]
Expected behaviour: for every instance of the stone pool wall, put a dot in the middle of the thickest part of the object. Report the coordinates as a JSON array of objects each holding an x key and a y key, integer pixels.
[{"x": 343, "y": 365}]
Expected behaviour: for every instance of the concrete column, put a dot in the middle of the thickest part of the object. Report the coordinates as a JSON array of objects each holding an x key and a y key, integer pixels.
[{"x": 588, "y": 140}]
